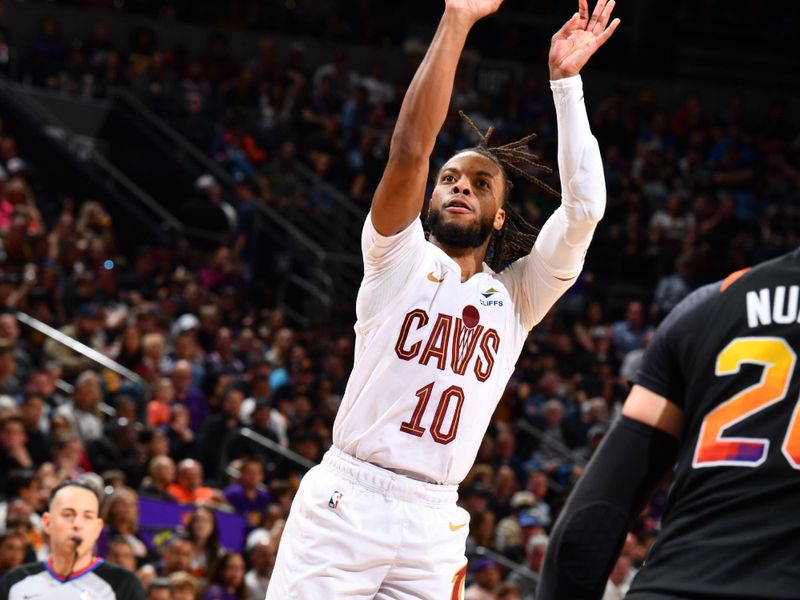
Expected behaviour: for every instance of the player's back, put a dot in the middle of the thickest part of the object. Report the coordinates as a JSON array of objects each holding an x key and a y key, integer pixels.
[{"x": 732, "y": 525}]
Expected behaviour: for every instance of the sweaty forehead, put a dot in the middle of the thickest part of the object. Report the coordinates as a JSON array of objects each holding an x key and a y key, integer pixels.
[{"x": 469, "y": 161}]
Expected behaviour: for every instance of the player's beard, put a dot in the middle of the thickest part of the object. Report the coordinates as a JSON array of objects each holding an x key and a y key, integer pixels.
[{"x": 456, "y": 235}]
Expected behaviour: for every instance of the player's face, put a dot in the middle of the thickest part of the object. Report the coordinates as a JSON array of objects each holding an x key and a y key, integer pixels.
[
  {"x": 73, "y": 514},
  {"x": 467, "y": 201}
]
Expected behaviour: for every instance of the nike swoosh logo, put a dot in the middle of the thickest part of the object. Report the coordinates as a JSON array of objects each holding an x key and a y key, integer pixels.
[
  {"x": 455, "y": 527},
  {"x": 433, "y": 278}
]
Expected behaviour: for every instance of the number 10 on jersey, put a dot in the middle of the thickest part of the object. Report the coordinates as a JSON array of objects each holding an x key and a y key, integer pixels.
[{"x": 414, "y": 425}]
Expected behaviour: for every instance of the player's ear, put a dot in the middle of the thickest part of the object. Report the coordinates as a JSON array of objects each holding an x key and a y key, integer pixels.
[{"x": 499, "y": 219}]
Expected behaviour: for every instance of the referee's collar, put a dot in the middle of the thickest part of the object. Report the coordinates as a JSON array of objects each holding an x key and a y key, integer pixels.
[{"x": 91, "y": 567}]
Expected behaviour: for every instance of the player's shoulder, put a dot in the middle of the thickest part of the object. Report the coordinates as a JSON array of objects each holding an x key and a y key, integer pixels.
[
  {"x": 786, "y": 266},
  {"x": 710, "y": 301}
]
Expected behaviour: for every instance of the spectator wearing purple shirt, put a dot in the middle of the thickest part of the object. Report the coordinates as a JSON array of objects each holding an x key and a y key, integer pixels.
[
  {"x": 188, "y": 395},
  {"x": 247, "y": 497}
]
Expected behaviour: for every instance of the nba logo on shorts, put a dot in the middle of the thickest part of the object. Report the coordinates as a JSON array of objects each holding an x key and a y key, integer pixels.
[{"x": 334, "y": 501}]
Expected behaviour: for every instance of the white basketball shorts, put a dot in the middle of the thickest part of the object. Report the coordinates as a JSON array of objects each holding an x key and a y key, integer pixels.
[{"x": 357, "y": 531}]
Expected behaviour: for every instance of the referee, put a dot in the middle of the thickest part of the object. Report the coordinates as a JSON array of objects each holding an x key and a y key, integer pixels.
[{"x": 72, "y": 572}]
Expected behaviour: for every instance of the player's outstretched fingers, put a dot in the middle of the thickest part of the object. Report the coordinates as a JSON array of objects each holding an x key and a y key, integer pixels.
[
  {"x": 598, "y": 10},
  {"x": 606, "y": 15},
  {"x": 607, "y": 32},
  {"x": 583, "y": 10}
]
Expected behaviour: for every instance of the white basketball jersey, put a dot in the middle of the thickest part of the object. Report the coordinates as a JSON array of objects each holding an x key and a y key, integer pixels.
[{"x": 433, "y": 355}]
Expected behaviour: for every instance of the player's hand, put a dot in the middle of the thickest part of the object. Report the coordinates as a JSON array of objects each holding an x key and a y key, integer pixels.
[
  {"x": 580, "y": 37},
  {"x": 473, "y": 9}
]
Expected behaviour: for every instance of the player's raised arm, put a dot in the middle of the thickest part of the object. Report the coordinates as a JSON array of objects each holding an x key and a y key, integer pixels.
[
  {"x": 565, "y": 237},
  {"x": 399, "y": 196}
]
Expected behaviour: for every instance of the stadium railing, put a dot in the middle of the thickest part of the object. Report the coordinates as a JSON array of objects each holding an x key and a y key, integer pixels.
[
  {"x": 90, "y": 353},
  {"x": 323, "y": 277},
  {"x": 297, "y": 465},
  {"x": 523, "y": 426},
  {"x": 509, "y": 564},
  {"x": 79, "y": 347},
  {"x": 25, "y": 106}
]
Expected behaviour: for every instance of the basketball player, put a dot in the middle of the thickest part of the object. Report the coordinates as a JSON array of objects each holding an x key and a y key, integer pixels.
[
  {"x": 438, "y": 332},
  {"x": 721, "y": 376}
]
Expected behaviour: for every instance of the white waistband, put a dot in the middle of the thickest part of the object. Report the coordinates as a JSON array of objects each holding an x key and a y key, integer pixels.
[{"x": 392, "y": 484}]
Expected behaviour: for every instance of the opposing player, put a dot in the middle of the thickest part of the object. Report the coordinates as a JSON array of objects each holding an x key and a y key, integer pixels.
[
  {"x": 438, "y": 332},
  {"x": 721, "y": 376}
]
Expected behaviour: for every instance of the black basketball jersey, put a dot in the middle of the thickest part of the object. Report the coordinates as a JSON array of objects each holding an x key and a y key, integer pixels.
[{"x": 728, "y": 356}]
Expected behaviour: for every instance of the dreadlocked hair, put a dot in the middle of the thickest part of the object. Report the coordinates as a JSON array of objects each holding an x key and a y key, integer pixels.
[{"x": 517, "y": 236}]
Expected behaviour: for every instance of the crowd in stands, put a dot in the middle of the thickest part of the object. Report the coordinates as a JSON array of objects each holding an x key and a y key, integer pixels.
[{"x": 692, "y": 196}]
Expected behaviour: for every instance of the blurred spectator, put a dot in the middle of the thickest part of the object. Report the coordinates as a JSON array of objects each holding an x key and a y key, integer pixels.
[
  {"x": 183, "y": 586},
  {"x": 15, "y": 455},
  {"x": 121, "y": 518},
  {"x": 120, "y": 450},
  {"x": 37, "y": 426},
  {"x": 508, "y": 591},
  {"x": 81, "y": 412},
  {"x": 486, "y": 577},
  {"x": 180, "y": 434},
  {"x": 673, "y": 288},
  {"x": 632, "y": 360},
  {"x": 120, "y": 552},
  {"x": 210, "y": 211},
  {"x": 9, "y": 330},
  {"x": 21, "y": 486},
  {"x": 159, "y": 409},
  {"x": 223, "y": 359},
  {"x": 534, "y": 558},
  {"x": 203, "y": 533},
  {"x": 88, "y": 330},
  {"x": 187, "y": 394},
  {"x": 159, "y": 589},
  {"x": 508, "y": 533},
  {"x": 262, "y": 561},
  {"x": 69, "y": 456},
  {"x": 248, "y": 496},
  {"x": 628, "y": 334},
  {"x": 188, "y": 488},
  {"x": 10, "y": 384},
  {"x": 176, "y": 555},
  {"x": 12, "y": 551},
  {"x": 161, "y": 474},
  {"x": 227, "y": 579},
  {"x": 217, "y": 431}
]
